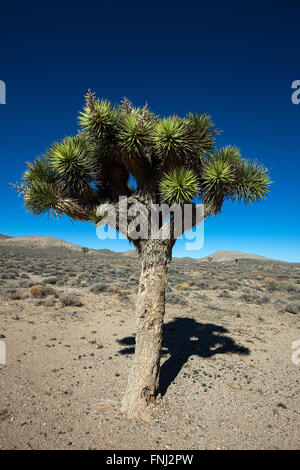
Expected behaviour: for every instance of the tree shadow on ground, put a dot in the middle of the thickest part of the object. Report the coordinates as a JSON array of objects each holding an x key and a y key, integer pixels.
[{"x": 183, "y": 338}]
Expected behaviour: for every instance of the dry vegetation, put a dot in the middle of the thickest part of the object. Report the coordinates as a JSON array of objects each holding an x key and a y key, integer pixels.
[{"x": 227, "y": 377}]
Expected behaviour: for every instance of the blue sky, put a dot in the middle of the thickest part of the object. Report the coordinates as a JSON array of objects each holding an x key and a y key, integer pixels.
[{"x": 235, "y": 60}]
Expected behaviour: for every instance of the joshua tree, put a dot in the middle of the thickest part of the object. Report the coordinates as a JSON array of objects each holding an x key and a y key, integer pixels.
[
  {"x": 85, "y": 250},
  {"x": 128, "y": 151}
]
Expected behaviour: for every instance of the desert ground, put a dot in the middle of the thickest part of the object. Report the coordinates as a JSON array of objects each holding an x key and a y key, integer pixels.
[{"x": 227, "y": 380}]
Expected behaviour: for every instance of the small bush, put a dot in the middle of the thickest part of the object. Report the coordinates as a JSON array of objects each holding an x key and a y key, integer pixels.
[
  {"x": 112, "y": 289},
  {"x": 51, "y": 280},
  {"x": 70, "y": 300},
  {"x": 225, "y": 294},
  {"x": 74, "y": 292},
  {"x": 38, "y": 292},
  {"x": 24, "y": 276},
  {"x": 46, "y": 302},
  {"x": 16, "y": 296},
  {"x": 293, "y": 308},
  {"x": 271, "y": 284},
  {"x": 202, "y": 284},
  {"x": 25, "y": 284},
  {"x": 200, "y": 296},
  {"x": 289, "y": 287},
  {"x": 262, "y": 299},
  {"x": 183, "y": 286},
  {"x": 173, "y": 298},
  {"x": 49, "y": 291},
  {"x": 98, "y": 287}
]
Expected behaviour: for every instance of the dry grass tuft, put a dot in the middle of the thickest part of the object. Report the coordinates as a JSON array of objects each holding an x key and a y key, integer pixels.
[
  {"x": 38, "y": 292},
  {"x": 183, "y": 286}
]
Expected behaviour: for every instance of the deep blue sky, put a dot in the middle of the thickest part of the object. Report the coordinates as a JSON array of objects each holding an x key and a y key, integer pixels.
[{"x": 235, "y": 60}]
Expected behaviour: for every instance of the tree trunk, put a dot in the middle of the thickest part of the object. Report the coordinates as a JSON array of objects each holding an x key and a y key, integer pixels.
[{"x": 143, "y": 382}]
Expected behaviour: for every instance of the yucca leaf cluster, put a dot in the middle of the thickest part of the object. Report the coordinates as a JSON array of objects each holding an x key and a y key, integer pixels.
[{"x": 170, "y": 159}]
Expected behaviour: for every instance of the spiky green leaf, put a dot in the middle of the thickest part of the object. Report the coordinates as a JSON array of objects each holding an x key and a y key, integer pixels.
[
  {"x": 41, "y": 197},
  {"x": 39, "y": 170},
  {"x": 179, "y": 186},
  {"x": 205, "y": 132},
  {"x": 252, "y": 182},
  {"x": 100, "y": 121},
  {"x": 217, "y": 175},
  {"x": 174, "y": 137},
  {"x": 71, "y": 164},
  {"x": 134, "y": 136}
]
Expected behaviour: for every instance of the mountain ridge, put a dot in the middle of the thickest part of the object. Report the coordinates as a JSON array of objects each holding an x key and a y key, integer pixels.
[{"x": 36, "y": 241}]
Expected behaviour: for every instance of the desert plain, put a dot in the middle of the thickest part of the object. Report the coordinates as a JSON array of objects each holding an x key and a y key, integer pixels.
[{"x": 230, "y": 378}]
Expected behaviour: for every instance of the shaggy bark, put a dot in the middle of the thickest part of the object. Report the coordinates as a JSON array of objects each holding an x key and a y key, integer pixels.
[{"x": 143, "y": 382}]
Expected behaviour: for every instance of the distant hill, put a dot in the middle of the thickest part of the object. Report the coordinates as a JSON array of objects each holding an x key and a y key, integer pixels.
[
  {"x": 46, "y": 242},
  {"x": 132, "y": 252},
  {"x": 52, "y": 242},
  {"x": 38, "y": 242},
  {"x": 224, "y": 255}
]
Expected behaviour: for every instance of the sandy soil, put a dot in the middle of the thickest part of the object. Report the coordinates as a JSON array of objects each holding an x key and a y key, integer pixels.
[{"x": 228, "y": 380}]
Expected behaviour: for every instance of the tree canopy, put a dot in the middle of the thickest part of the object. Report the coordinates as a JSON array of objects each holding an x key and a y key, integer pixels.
[{"x": 122, "y": 150}]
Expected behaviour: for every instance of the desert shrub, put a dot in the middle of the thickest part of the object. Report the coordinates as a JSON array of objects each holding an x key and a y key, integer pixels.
[
  {"x": 46, "y": 302},
  {"x": 67, "y": 300},
  {"x": 248, "y": 296},
  {"x": 282, "y": 301},
  {"x": 112, "y": 289},
  {"x": 173, "y": 298},
  {"x": 30, "y": 269},
  {"x": 123, "y": 292},
  {"x": 126, "y": 284},
  {"x": 25, "y": 283},
  {"x": 49, "y": 291},
  {"x": 289, "y": 287},
  {"x": 4, "y": 276},
  {"x": 51, "y": 280},
  {"x": 200, "y": 296},
  {"x": 12, "y": 272},
  {"x": 224, "y": 286},
  {"x": 255, "y": 287},
  {"x": 225, "y": 294},
  {"x": 74, "y": 292},
  {"x": 271, "y": 284},
  {"x": 293, "y": 308},
  {"x": 10, "y": 289},
  {"x": 17, "y": 296},
  {"x": 263, "y": 299},
  {"x": 234, "y": 282},
  {"x": 201, "y": 284},
  {"x": 38, "y": 292},
  {"x": 98, "y": 287},
  {"x": 252, "y": 297},
  {"x": 183, "y": 286},
  {"x": 24, "y": 276},
  {"x": 8, "y": 276}
]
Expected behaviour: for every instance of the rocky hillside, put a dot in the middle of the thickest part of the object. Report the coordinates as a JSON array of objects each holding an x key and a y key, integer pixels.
[
  {"x": 224, "y": 255},
  {"x": 52, "y": 242}
]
